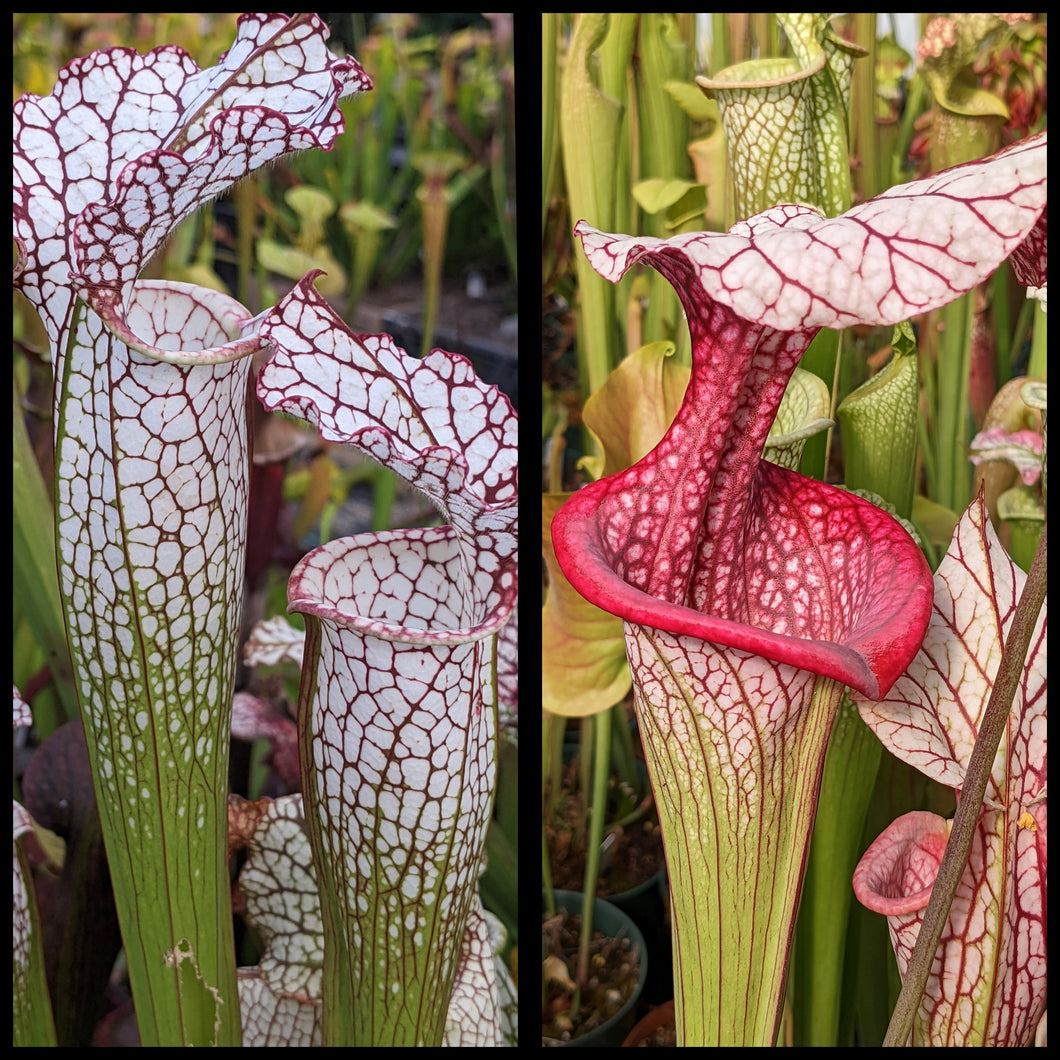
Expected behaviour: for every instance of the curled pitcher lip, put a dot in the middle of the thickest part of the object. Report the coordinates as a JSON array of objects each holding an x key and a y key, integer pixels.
[
  {"x": 863, "y": 647},
  {"x": 701, "y": 537},
  {"x": 993, "y": 946},
  {"x": 332, "y": 583}
]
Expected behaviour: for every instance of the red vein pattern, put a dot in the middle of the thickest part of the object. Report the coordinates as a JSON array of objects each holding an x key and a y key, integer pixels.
[
  {"x": 277, "y": 893},
  {"x": 399, "y": 695},
  {"x": 432, "y": 421},
  {"x": 738, "y": 581},
  {"x": 151, "y": 477},
  {"x": 127, "y": 145},
  {"x": 735, "y": 747},
  {"x": 700, "y": 537},
  {"x": 280, "y": 996},
  {"x": 912, "y": 248},
  {"x": 23, "y": 905},
  {"x": 988, "y": 980},
  {"x": 402, "y": 738}
]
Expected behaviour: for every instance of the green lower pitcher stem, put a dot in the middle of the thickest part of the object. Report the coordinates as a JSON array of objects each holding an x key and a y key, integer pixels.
[
  {"x": 737, "y": 807},
  {"x": 398, "y": 745},
  {"x": 150, "y": 509}
]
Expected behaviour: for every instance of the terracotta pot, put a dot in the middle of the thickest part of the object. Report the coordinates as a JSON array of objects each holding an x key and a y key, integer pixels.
[{"x": 662, "y": 1016}]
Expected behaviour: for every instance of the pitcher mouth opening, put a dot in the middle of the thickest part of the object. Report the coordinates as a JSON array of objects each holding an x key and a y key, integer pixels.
[
  {"x": 213, "y": 321},
  {"x": 408, "y": 586},
  {"x": 576, "y": 530}
]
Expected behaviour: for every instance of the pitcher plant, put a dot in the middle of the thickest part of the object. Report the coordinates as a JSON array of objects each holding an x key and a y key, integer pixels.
[
  {"x": 987, "y": 984},
  {"x": 751, "y": 595},
  {"x": 399, "y": 701},
  {"x": 150, "y": 394},
  {"x": 150, "y": 383}
]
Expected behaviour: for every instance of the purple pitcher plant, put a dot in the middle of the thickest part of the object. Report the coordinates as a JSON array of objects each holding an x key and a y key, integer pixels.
[
  {"x": 150, "y": 396},
  {"x": 987, "y": 984},
  {"x": 751, "y": 595}
]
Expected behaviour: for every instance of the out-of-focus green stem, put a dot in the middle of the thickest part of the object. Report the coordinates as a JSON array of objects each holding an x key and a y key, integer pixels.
[
  {"x": 549, "y": 129},
  {"x": 917, "y": 99},
  {"x": 870, "y": 178},
  {"x": 597, "y": 813},
  {"x": 821, "y": 934},
  {"x": 821, "y": 358},
  {"x": 879, "y": 422},
  {"x": 663, "y": 134},
  {"x": 765, "y": 31},
  {"x": 1002, "y": 313},
  {"x": 589, "y": 122},
  {"x": 720, "y": 56},
  {"x": 504, "y": 207},
  {"x": 953, "y": 422},
  {"x": 879, "y": 426},
  {"x": 434, "y": 202},
  {"x": 34, "y": 579},
  {"x": 1036, "y": 368},
  {"x": 622, "y": 759},
  {"x": 384, "y": 490},
  {"x": 246, "y": 194},
  {"x": 553, "y": 727}
]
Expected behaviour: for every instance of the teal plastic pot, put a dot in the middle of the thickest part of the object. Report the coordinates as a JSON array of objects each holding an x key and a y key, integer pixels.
[
  {"x": 646, "y": 905},
  {"x": 613, "y": 923}
]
